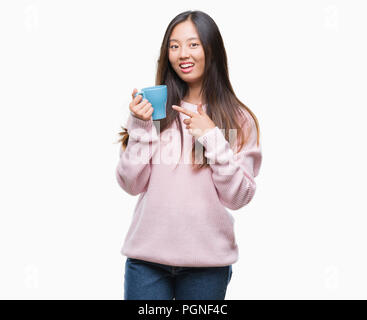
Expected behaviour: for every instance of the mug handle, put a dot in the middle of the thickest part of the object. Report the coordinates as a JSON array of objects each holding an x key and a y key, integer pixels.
[{"x": 141, "y": 93}]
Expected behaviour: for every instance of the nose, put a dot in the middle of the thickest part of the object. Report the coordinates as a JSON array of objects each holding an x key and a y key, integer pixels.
[{"x": 183, "y": 54}]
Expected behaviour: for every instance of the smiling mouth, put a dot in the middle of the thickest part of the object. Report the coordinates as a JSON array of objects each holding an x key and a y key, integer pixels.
[{"x": 187, "y": 69}]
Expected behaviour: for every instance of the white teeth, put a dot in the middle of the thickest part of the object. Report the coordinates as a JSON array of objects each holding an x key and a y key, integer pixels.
[{"x": 186, "y": 65}]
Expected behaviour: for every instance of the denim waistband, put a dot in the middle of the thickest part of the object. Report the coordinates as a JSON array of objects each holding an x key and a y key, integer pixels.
[{"x": 174, "y": 270}]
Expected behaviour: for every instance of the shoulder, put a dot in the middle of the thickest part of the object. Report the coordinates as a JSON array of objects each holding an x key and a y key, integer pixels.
[
  {"x": 245, "y": 116},
  {"x": 248, "y": 125},
  {"x": 246, "y": 120}
]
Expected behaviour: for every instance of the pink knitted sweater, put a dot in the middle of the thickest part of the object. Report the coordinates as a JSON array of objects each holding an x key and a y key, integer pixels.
[{"x": 180, "y": 218}]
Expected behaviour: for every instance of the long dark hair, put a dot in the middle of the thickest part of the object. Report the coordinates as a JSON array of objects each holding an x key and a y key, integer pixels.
[{"x": 223, "y": 107}]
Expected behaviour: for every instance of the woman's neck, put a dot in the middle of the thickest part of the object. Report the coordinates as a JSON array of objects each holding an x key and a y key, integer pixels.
[
  {"x": 193, "y": 96},
  {"x": 193, "y": 99}
]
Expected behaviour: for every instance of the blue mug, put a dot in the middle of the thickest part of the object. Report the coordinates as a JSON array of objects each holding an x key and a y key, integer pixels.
[{"x": 157, "y": 96}]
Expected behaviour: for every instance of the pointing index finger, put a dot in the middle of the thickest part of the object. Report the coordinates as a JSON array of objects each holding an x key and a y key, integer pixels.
[{"x": 183, "y": 110}]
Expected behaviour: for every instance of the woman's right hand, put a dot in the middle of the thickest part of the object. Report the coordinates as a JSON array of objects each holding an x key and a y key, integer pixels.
[{"x": 142, "y": 110}]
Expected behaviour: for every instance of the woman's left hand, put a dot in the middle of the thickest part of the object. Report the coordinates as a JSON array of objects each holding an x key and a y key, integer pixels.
[{"x": 198, "y": 123}]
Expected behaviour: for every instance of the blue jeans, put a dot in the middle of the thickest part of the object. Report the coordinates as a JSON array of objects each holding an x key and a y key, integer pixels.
[{"x": 144, "y": 280}]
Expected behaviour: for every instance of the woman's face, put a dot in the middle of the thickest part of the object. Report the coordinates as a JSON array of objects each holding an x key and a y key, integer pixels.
[{"x": 185, "y": 46}]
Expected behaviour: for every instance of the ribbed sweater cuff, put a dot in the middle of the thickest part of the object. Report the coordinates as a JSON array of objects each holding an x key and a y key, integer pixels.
[
  {"x": 142, "y": 130},
  {"x": 138, "y": 123},
  {"x": 212, "y": 139}
]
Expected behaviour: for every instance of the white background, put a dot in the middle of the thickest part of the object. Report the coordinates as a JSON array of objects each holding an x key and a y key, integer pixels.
[{"x": 67, "y": 70}]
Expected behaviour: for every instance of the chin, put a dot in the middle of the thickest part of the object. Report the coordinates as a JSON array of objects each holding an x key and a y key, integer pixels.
[{"x": 190, "y": 80}]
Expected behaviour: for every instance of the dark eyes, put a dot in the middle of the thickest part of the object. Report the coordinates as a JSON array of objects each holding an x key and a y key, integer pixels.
[{"x": 176, "y": 45}]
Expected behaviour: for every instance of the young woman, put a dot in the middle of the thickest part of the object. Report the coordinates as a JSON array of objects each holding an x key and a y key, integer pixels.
[{"x": 181, "y": 242}]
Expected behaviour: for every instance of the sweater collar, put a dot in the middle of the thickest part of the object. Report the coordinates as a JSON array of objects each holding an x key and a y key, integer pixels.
[{"x": 191, "y": 106}]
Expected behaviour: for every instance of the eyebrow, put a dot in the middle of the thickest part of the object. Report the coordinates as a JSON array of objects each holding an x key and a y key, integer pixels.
[{"x": 192, "y": 38}]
